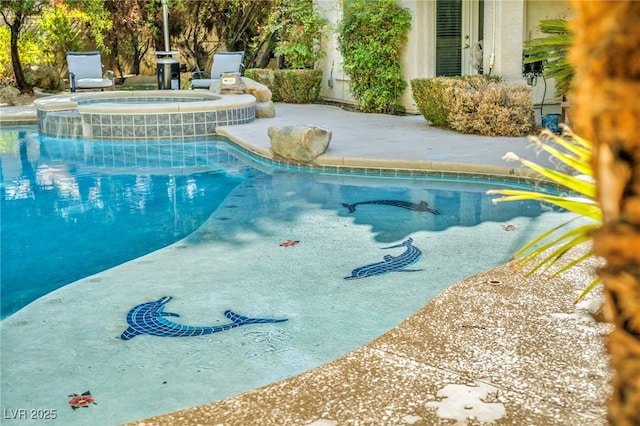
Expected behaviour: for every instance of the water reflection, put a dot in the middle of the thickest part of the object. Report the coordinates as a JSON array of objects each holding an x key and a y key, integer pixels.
[
  {"x": 283, "y": 197},
  {"x": 73, "y": 209}
]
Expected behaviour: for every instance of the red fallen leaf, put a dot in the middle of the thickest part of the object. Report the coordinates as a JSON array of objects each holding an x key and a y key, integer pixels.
[
  {"x": 81, "y": 401},
  {"x": 289, "y": 243}
]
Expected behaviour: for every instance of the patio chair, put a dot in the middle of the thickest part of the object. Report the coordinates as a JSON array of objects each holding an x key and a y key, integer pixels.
[
  {"x": 85, "y": 72},
  {"x": 222, "y": 62}
]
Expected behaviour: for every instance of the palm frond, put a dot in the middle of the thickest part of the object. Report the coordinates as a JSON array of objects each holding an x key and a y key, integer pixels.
[
  {"x": 581, "y": 206},
  {"x": 548, "y": 248},
  {"x": 552, "y": 50},
  {"x": 555, "y": 26},
  {"x": 572, "y": 182},
  {"x": 588, "y": 289}
]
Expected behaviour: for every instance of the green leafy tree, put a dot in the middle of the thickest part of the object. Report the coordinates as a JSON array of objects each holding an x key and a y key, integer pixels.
[
  {"x": 17, "y": 15},
  {"x": 68, "y": 25},
  {"x": 131, "y": 35},
  {"x": 298, "y": 30},
  {"x": 62, "y": 26},
  {"x": 239, "y": 22},
  {"x": 371, "y": 37},
  {"x": 29, "y": 47},
  {"x": 206, "y": 26}
]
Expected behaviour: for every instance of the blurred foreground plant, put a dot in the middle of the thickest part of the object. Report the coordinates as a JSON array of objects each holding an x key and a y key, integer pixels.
[{"x": 575, "y": 153}]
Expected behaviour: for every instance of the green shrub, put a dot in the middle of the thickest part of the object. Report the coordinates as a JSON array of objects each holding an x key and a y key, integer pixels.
[
  {"x": 299, "y": 29},
  {"x": 429, "y": 96},
  {"x": 290, "y": 86},
  {"x": 371, "y": 37},
  {"x": 475, "y": 104},
  {"x": 261, "y": 75},
  {"x": 495, "y": 109},
  {"x": 297, "y": 86},
  {"x": 434, "y": 96}
]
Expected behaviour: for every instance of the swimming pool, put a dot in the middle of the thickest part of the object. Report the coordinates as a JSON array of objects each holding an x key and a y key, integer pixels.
[
  {"x": 59, "y": 217},
  {"x": 278, "y": 246}
]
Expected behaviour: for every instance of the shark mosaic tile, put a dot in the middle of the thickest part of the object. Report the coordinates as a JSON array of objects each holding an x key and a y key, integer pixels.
[
  {"x": 390, "y": 263},
  {"x": 150, "y": 318},
  {"x": 422, "y": 206}
]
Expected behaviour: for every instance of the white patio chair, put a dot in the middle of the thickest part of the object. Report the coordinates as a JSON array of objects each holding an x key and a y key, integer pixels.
[
  {"x": 85, "y": 72},
  {"x": 222, "y": 62}
]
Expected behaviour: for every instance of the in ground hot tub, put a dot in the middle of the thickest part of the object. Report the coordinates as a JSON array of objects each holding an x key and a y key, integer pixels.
[{"x": 144, "y": 114}]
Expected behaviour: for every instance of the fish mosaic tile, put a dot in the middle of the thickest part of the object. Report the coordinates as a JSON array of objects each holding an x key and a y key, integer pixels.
[
  {"x": 150, "y": 318},
  {"x": 422, "y": 206},
  {"x": 390, "y": 263}
]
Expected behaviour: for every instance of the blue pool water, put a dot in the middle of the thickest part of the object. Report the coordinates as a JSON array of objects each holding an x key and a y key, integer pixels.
[
  {"x": 62, "y": 221},
  {"x": 212, "y": 238}
]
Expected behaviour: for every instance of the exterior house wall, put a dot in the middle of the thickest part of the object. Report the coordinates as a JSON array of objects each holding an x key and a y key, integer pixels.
[
  {"x": 535, "y": 11},
  {"x": 335, "y": 82},
  {"x": 507, "y": 24},
  {"x": 503, "y": 24}
]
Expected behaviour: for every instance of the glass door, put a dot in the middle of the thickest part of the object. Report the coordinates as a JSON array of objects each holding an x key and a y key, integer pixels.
[{"x": 459, "y": 31}]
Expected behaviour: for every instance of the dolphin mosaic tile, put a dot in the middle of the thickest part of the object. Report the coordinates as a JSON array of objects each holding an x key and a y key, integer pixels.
[
  {"x": 390, "y": 264},
  {"x": 149, "y": 318}
]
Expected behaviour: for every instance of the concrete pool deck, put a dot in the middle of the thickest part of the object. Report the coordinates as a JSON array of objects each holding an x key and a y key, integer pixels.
[{"x": 497, "y": 347}]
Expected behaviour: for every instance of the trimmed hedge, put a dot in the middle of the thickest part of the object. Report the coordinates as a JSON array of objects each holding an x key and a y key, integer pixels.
[
  {"x": 476, "y": 104},
  {"x": 289, "y": 86}
]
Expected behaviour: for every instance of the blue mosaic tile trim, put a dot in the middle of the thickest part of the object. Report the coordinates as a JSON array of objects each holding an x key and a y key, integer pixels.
[
  {"x": 179, "y": 125},
  {"x": 390, "y": 264},
  {"x": 387, "y": 172},
  {"x": 150, "y": 318},
  {"x": 422, "y": 206}
]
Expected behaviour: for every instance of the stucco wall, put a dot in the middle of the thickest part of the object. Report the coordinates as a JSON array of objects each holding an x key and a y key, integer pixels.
[
  {"x": 335, "y": 81},
  {"x": 515, "y": 21},
  {"x": 535, "y": 11}
]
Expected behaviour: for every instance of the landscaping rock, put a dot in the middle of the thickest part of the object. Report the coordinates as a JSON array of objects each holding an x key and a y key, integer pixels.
[
  {"x": 45, "y": 77},
  {"x": 231, "y": 83},
  {"x": 215, "y": 86},
  {"x": 259, "y": 90},
  {"x": 265, "y": 109},
  {"x": 299, "y": 143}
]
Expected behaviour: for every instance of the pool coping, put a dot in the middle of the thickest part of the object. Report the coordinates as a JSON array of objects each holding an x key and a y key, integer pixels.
[{"x": 74, "y": 100}]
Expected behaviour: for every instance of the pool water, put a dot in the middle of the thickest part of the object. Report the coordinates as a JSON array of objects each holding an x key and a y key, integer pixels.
[
  {"x": 62, "y": 221},
  {"x": 276, "y": 245}
]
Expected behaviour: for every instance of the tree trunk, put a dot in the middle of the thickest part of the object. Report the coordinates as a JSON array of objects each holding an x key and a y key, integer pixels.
[
  {"x": 606, "y": 55},
  {"x": 18, "y": 72}
]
